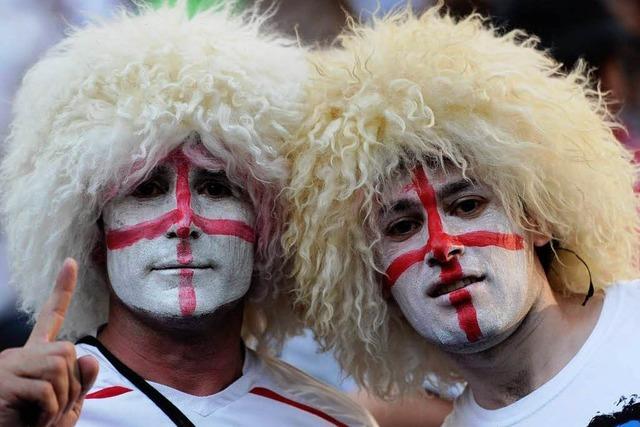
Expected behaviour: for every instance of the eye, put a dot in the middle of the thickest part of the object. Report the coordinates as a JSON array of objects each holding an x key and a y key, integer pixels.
[
  {"x": 468, "y": 207},
  {"x": 403, "y": 228},
  {"x": 214, "y": 188},
  {"x": 150, "y": 188}
]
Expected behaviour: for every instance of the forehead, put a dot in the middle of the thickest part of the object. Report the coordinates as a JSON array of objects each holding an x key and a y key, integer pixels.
[
  {"x": 193, "y": 155},
  {"x": 404, "y": 181}
]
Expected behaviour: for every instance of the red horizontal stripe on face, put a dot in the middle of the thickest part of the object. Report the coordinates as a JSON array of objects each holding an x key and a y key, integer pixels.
[
  {"x": 225, "y": 227},
  {"x": 108, "y": 392},
  {"x": 123, "y": 237},
  {"x": 512, "y": 242},
  {"x": 402, "y": 263},
  {"x": 270, "y": 394}
]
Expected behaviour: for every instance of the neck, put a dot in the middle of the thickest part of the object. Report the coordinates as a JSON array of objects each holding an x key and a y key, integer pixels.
[
  {"x": 178, "y": 353},
  {"x": 546, "y": 340}
]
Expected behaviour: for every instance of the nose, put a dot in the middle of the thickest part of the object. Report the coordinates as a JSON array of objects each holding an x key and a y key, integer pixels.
[
  {"x": 444, "y": 250},
  {"x": 182, "y": 233}
]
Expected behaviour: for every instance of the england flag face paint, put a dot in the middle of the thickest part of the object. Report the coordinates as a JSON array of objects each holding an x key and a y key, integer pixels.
[
  {"x": 181, "y": 243},
  {"x": 455, "y": 264}
]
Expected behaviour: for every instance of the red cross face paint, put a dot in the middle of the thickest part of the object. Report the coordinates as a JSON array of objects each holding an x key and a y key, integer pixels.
[
  {"x": 181, "y": 243},
  {"x": 456, "y": 265}
]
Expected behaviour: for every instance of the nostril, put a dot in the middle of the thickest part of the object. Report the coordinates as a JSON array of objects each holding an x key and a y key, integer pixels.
[
  {"x": 195, "y": 235},
  {"x": 172, "y": 235}
]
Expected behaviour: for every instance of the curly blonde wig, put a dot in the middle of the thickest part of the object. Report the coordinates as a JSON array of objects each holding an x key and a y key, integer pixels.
[
  {"x": 408, "y": 88},
  {"x": 108, "y": 103}
]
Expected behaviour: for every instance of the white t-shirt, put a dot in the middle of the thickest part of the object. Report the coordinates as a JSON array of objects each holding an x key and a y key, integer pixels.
[
  {"x": 602, "y": 380},
  {"x": 269, "y": 393}
]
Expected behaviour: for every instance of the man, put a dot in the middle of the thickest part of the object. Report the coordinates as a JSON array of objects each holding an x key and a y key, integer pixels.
[
  {"x": 454, "y": 197},
  {"x": 147, "y": 148}
]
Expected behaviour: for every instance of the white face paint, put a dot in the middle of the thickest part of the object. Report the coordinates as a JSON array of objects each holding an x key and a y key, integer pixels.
[
  {"x": 458, "y": 268},
  {"x": 181, "y": 244}
]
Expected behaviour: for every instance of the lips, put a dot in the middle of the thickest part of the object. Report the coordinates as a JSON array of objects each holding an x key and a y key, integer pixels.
[
  {"x": 181, "y": 267},
  {"x": 445, "y": 287}
]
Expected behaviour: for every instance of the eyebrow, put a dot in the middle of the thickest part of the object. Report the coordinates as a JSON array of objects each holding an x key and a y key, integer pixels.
[
  {"x": 453, "y": 188},
  {"x": 399, "y": 206},
  {"x": 205, "y": 174}
]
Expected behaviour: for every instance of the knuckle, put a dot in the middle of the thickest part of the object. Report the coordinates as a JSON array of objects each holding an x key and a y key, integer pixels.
[
  {"x": 58, "y": 365},
  {"x": 68, "y": 349},
  {"x": 9, "y": 352}
]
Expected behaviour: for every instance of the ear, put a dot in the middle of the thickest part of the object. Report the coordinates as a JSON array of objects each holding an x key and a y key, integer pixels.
[
  {"x": 99, "y": 252},
  {"x": 539, "y": 239}
]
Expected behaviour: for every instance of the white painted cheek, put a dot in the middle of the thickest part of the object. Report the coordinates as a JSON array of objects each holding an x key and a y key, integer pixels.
[
  {"x": 131, "y": 278},
  {"x": 230, "y": 280},
  {"x": 507, "y": 296}
]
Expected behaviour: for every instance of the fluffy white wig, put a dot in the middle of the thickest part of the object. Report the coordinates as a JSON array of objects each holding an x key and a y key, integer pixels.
[
  {"x": 105, "y": 105},
  {"x": 405, "y": 89}
]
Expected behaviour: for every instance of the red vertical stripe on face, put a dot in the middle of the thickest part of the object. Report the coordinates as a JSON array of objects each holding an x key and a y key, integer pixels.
[
  {"x": 440, "y": 244},
  {"x": 186, "y": 293},
  {"x": 184, "y": 252},
  {"x": 467, "y": 318},
  {"x": 183, "y": 192}
]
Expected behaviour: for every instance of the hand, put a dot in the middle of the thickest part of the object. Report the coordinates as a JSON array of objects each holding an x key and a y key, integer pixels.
[{"x": 43, "y": 383}]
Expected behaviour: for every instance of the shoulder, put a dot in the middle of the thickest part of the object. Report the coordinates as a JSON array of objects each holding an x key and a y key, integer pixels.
[
  {"x": 625, "y": 289},
  {"x": 623, "y": 299},
  {"x": 281, "y": 381}
]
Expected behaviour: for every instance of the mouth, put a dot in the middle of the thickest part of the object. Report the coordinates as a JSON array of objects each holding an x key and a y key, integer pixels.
[
  {"x": 443, "y": 288},
  {"x": 181, "y": 267}
]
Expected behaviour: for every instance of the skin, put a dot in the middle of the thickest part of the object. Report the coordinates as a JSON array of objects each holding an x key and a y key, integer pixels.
[
  {"x": 510, "y": 297},
  {"x": 43, "y": 383}
]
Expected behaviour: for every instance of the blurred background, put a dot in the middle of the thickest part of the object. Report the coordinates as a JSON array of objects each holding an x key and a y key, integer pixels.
[{"x": 605, "y": 33}]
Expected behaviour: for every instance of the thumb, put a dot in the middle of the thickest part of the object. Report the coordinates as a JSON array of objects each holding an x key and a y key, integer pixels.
[{"x": 88, "y": 367}]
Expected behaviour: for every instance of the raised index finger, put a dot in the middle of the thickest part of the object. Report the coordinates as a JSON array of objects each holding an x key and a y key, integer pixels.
[{"x": 53, "y": 312}]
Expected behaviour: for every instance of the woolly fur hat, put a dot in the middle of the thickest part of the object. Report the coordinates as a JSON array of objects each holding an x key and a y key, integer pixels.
[
  {"x": 408, "y": 88},
  {"x": 105, "y": 105}
]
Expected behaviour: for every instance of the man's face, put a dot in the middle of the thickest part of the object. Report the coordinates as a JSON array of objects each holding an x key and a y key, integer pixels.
[
  {"x": 458, "y": 268},
  {"x": 181, "y": 243}
]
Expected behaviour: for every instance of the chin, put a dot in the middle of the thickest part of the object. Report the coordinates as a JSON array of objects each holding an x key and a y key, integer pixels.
[
  {"x": 173, "y": 320},
  {"x": 490, "y": 339}
]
